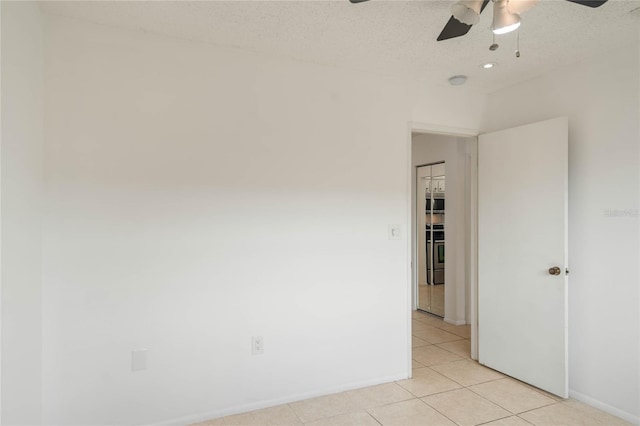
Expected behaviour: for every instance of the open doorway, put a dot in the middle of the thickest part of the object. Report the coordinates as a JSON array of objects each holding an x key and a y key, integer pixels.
[{"x": 444, "y": 271}]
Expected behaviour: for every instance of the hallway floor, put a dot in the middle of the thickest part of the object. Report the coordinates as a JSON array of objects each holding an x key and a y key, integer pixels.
[{"x": 447, "y": 388}]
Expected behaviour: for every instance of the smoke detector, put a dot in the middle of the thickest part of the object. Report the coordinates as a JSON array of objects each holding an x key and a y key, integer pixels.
[{"x": 457, "y": 80}]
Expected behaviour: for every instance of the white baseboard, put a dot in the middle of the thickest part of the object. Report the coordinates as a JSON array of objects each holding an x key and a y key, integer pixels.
[
  {"x": 455, "y": 322},
  {"x": 605, "y": 407},
  {"x": 243, "y": 408}
]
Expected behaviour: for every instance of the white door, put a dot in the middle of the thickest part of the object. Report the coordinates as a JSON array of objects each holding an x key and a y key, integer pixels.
[{"x": 522, "y": 235}]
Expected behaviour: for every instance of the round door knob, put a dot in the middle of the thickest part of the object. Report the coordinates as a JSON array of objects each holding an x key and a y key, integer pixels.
[{"x": 554, "y": 271}]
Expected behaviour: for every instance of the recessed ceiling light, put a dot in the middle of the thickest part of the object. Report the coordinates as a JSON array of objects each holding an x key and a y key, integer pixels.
[
  {"x": 457, "y": 80},
  {"x": 488, "y": 65}
]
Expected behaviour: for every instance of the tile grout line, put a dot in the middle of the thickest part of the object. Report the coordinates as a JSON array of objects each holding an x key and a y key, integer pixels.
[
  {"x": 487, "y": 399},
  {"x": 500, "y": 418},
  {"x": 525, "y": 420},
  {"x": 542, "y": 406},
  {"x": 438, "y": 411},
  {"x": 296, "y": 414},
  {"x": 373, "y": 417}
]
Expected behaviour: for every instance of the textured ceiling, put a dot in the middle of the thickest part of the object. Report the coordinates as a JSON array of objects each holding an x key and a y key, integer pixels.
[{"x": 395, "y": 38}]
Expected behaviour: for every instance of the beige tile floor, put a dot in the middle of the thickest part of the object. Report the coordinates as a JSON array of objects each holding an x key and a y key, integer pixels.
[{"x": 447, "y": 388}]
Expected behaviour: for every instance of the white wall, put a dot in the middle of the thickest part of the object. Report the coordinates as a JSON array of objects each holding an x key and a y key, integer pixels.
[
  {"x": 196, "y": 196},
  {"x": 447, "y": 109},
  {"x": 21, "y": 195},
  {"x": 431, "y": 148},
  {"x": 600, "y": 97}
]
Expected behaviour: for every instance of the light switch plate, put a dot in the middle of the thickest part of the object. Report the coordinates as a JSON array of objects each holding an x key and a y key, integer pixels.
[
  {"x": 395, "y": 232},
  {"x": 139, "y": 359},
  {"x": 257, "y": 345}
]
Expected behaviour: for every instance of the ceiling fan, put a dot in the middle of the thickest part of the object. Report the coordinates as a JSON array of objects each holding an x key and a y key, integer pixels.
[{"x": 506, "y": 15}]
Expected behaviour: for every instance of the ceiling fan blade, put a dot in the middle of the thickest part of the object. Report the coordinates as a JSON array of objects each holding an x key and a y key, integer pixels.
[
  {"x": 357, "y": 1},
  {"x": 455, "y": 28},
  {"x": 590, "y": 3}
]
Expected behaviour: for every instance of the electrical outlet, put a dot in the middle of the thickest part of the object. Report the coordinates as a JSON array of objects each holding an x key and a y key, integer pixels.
[
  {"x": 139, "y": 360},
  {"x": 257, "y": 345}
]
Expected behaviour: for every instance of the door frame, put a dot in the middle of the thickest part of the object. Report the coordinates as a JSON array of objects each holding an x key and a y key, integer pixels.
[{"x": 437, "y": 129}]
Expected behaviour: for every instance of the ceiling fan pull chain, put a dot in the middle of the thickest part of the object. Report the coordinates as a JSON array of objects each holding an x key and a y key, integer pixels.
[
  {"x": 518, "y": 43},
  {"x": 494, "y": 46}
]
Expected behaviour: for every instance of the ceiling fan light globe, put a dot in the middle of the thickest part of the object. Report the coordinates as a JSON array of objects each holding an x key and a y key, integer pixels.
[
  {"x": 520, "y": 6},
  {"x": 503, "y": 20},
  {"x": 467, "y": 11},
  {"x": 506, "y": 29}
]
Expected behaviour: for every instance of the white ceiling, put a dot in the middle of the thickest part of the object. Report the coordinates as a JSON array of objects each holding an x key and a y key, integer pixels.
[{"x": 395, "y": 38}]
